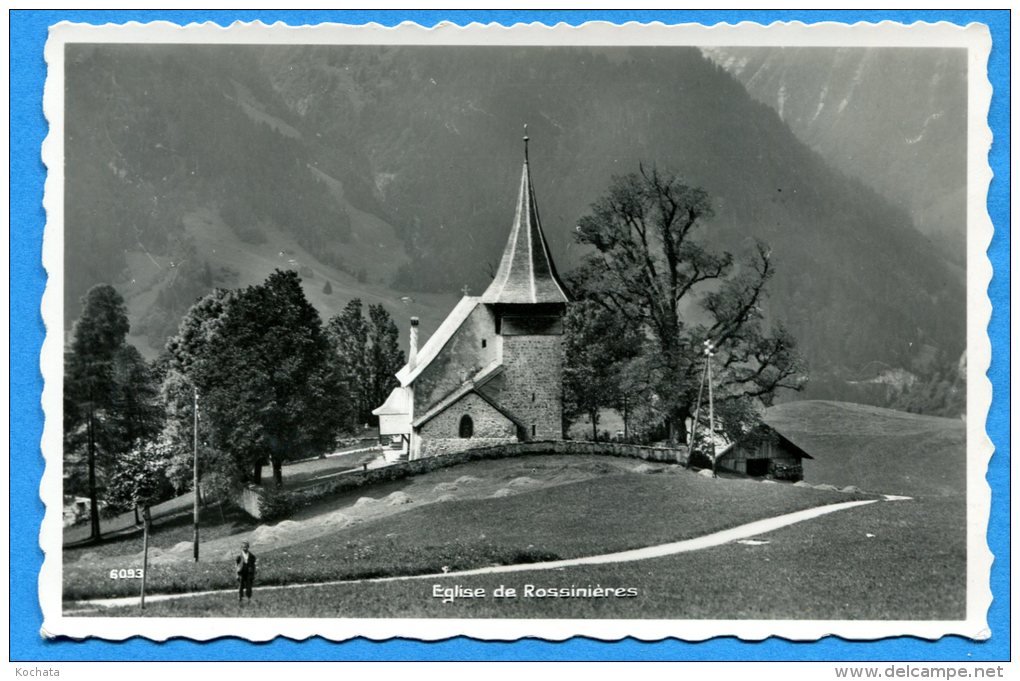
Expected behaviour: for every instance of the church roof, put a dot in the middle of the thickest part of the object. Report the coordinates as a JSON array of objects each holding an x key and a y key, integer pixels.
[
  {"x": 526, "y": 272},
  {"x": 482, "y": 377},
  {"x": 397, "y": 403},
  {"x": 438, "y": 340}
]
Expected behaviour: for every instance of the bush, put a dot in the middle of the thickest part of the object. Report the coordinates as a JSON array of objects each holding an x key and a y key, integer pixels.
[{"x": 274, "y": 504}]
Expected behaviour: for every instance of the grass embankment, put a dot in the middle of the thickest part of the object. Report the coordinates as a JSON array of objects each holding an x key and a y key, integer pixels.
[
  {"x": 175, "y": 512},
  {"x": 613, "y": 512},
  {"x": 167, "y": 533},
  {"x": 912, "y": 566}
]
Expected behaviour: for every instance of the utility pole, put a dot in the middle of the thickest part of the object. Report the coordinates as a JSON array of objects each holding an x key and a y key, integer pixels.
[
  {"x": 195, "y": 474},
  {"x": 147, "y": 517},
  {"x": 709, "y": 352},
  {"x": 697, "y": 415}
]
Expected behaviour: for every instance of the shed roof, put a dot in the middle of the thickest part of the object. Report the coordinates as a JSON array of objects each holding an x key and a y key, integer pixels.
[
  {"x": 793, "y": 445},
  {"x": 782, "y": 438}
]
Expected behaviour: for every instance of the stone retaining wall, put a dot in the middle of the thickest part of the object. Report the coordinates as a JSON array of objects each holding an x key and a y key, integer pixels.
[
  {"x": 249, "y": 501},
  {"x": 405, "y": 469}
]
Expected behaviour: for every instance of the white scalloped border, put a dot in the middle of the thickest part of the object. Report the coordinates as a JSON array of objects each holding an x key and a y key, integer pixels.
[{"x": 975, "y": 37}]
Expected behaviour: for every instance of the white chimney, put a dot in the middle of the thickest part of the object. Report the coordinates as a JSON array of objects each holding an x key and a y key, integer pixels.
[{"x": 412, "y": 354}]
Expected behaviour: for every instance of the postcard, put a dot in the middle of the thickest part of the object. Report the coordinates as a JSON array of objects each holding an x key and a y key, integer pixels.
[{"x": 516, "y": 331}]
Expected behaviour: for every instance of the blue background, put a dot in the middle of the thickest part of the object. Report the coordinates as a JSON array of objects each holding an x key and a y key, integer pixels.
[{"x": 28, "y": 32}]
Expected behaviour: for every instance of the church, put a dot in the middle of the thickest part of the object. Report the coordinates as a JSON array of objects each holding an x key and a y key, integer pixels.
[{"x": 492, "y": 372}]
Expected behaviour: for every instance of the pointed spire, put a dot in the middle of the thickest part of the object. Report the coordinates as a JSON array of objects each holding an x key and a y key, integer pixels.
[{"x": 526, "y": 271}]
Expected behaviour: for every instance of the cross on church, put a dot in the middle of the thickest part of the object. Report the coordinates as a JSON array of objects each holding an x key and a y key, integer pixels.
[{"x": 465, "y": 290}]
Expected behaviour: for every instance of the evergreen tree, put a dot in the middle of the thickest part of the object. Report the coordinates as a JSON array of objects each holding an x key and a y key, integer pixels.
[
  {"x": 384, "y": 354},
  {"x": 90, "y": 385},
  {"x": 137, "y": 409},
  {"x": 348, "y": 334},
  {"x": 367, "y": 355}
]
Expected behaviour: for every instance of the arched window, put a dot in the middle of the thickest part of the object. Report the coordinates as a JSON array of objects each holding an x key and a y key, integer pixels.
[{"x": 467, "y": 426}]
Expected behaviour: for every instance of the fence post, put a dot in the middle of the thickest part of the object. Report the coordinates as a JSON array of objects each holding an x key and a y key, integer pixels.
[{"x": 146, "y": 519}]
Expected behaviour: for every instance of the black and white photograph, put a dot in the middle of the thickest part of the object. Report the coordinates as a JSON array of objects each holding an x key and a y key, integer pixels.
[{"x": 361, "y": 334}]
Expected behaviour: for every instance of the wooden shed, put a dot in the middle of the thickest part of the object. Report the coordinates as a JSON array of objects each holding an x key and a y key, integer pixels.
[{"x": 764, "y": 452}]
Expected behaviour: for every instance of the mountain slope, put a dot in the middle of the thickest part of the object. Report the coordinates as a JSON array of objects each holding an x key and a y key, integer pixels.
[
  {"x": 895, "y": 118},
  {"x": 855, "y": 281},
  {"x": 184, "y": 173},
  {"x": 316, "y": 150}
]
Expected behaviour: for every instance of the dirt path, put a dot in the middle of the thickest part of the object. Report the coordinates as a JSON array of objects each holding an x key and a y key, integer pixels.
[{"x": 745, "y": 531}]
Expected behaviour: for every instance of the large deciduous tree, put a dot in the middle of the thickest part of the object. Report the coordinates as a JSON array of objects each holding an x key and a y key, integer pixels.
[
  {"x": 261, "y": 364},
  {"x": 598, "y": 346},
  {"x": 139, "y": 478},
  {"x": 648, "y": 266}
]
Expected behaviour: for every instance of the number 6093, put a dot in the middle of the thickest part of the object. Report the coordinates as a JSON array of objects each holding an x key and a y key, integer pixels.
[{"x": 126, "y": 573}]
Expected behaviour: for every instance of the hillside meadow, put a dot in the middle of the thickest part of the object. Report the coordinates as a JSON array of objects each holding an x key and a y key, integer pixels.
[
  {"x": 885, "y": 561},
  {"x": 614, "y": 511},
  {"x": 879, "y": 450},
  {"x": 903, "y": 559}
]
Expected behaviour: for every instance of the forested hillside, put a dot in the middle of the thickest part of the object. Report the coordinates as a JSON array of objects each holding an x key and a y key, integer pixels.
[{"x": 391, "y": 172}]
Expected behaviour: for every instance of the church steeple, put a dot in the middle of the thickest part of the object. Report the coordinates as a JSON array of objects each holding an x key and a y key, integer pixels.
[{"x": 526, "y": 271}]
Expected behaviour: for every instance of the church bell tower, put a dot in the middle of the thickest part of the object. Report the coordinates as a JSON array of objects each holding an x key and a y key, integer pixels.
[{"x": 528, "y": 301}]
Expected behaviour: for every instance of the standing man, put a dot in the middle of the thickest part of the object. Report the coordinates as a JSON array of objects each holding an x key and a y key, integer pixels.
[{"x": 245, "y": 573}]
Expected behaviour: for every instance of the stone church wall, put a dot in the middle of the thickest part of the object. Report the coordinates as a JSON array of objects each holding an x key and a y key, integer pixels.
[
  {"x": 534, "y": 383},
  {"x": 441, "y": 435},
  {"x": 461, "y": 358}
]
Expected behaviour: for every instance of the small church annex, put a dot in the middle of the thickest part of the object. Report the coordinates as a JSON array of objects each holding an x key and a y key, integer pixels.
[{"x": 492, "y": 372}]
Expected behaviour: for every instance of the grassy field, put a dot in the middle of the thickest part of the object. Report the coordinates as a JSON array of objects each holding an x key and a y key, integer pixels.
[
  {"x": 888, "y": 560},
  {"x": 614, "y": 511},
  {"x": 876, "y": 449}
]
